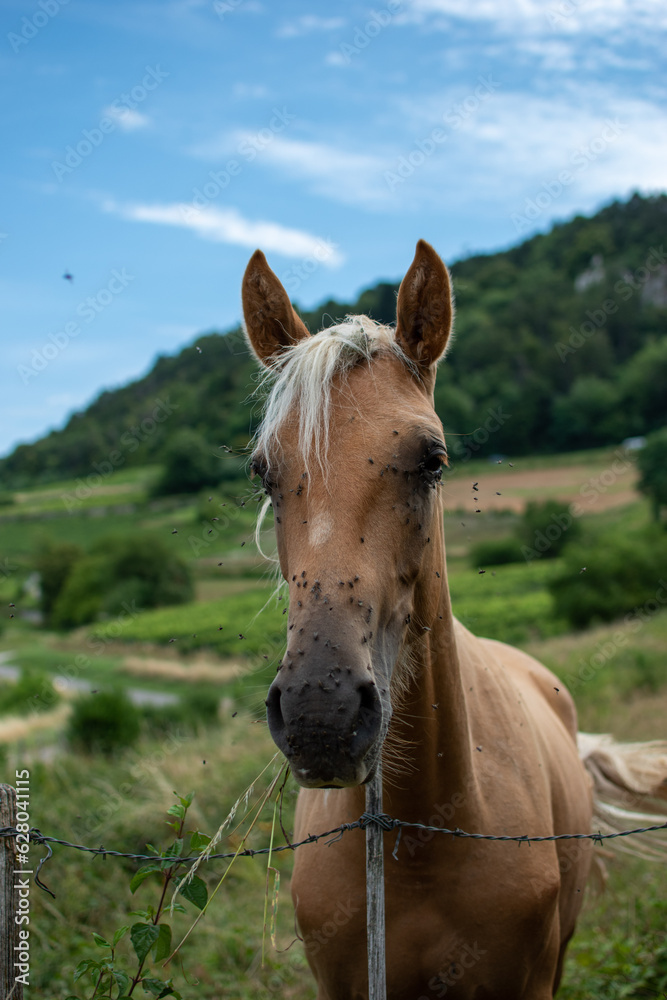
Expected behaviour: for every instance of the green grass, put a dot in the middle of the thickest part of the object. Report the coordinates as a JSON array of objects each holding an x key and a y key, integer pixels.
[
  {"x": 618, "y": 950},
  {"x": 510, "y": 603},
  {"x": 228, "y": 626}
]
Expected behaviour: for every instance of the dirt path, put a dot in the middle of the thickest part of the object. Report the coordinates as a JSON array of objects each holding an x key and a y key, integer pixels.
[{"x": 593, "y": 488}]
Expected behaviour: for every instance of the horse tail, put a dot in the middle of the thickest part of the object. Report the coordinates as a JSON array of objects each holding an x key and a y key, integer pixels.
[{"x": 629, "y": 791}]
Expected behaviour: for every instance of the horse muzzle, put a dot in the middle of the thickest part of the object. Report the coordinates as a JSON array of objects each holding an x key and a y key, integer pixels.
[{"x": 330, "y": 726}]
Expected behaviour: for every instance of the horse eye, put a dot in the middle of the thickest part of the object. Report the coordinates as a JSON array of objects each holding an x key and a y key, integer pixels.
[{"x": 431, "y": 465}]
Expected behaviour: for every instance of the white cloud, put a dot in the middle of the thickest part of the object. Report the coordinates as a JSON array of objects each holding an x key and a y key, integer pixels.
[
  {"x": 309, "y": 23},
  {"x": 250, "y": 90},
  {"x": 339, "y": 174},
  {"x": 126, "y": 118},
  {"x": 336, "y": 58},
  {"x": 536, "y": 16},
  {"x": 227, "y": 225}
]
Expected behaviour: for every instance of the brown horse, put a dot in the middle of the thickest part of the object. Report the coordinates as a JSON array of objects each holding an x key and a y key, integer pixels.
[{"x": 474, "y": 734}]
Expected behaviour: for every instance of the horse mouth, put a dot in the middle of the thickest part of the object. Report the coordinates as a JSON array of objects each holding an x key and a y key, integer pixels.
[{"x": 348, "y": 773}]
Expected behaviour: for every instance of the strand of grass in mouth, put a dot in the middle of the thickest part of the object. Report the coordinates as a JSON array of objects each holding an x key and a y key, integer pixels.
[
  {"x": 259, "y": 806},
  {"x": 268, "y": 869}
]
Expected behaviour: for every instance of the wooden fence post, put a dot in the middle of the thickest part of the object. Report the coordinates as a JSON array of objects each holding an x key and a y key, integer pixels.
[
  {"x": 9, "y": 931},
  {"x": 375, "y": 936}
]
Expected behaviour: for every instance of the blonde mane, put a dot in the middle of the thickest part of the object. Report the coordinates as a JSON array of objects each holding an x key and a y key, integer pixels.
[{"x": 302, "y": 378}]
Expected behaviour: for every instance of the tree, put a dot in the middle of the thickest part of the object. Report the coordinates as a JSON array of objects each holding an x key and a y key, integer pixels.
[
  {"x": 54, "y": 564},
  {"x": 190, "y": 463},
  {"x": 652, "y": 464}
]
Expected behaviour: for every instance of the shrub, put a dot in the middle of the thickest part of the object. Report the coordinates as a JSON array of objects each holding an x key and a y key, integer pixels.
[
  {"x": 196, "y": 709},
  {"x": 652, "y": 464},
  {"x": 54, "y": 564},
  {"x": 122, "y": 574},
  {"x": 190, "y": 463},
  {"x": 104, "y": 723},
  {"x": 33, "y": 692},
  {"x": 545, "y": 528},
  {"x": 497, "y": 552},
  {"x": 607, "y": 577}
]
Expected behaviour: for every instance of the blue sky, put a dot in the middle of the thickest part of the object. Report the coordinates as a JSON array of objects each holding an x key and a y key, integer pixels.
[{"x": 149, "y": 147}]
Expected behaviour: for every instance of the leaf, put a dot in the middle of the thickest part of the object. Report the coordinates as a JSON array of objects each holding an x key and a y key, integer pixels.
[
  {"x": 122, "y": 982},
  {"x": 154, "y": 986},
  {"x": 120, "y": 933},
  {"x": 100, "y": 941},
  {"x": 198, "y": 841},
  {"x": 141, "y": 875},
  {"x": 195, "y": 892},
  {"x": 187, "y": 799},
  {"x": 175, "y": 850},
  {"x": 176, "y": 810},
  {"x": 163, "y": 947},
  {"x": 83, "y": 967},
  {"x": 143, "y": 937}
]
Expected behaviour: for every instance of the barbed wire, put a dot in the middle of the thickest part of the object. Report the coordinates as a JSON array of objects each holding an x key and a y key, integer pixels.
[{"x": 385, "y": 822}]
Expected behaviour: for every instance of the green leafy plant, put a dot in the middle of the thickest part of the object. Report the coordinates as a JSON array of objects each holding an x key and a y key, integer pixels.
[
  {"x": 104, "y": 722},
  {"x": 150, "y": 936}
]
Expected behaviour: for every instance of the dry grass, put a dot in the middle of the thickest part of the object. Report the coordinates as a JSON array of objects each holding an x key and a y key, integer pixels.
[
  {"x": 199, "y": 669},
  {"x": 16, "y": 728}
]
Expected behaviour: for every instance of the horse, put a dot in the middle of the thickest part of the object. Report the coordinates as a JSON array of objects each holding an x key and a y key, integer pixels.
[{"x": 472, "y": 733}]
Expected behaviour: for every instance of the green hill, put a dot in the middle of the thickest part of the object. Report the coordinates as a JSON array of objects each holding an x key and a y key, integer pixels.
[{"x": 560, "y": 344}]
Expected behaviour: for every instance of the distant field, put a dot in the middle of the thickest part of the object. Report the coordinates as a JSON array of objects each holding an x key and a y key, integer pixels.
[{"x": 607, "y": 479}]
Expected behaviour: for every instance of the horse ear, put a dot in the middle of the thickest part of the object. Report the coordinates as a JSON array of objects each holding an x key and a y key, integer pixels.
[
  {"x": 271, "y": 323},
  {"x": 424, "y": 309}
]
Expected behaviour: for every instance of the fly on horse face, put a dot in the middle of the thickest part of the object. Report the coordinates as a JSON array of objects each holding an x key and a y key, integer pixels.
[{"x": 473, "y": 733}]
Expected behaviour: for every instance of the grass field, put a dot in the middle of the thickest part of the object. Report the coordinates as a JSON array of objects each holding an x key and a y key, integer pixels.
[{"x": 224, "y": 644}]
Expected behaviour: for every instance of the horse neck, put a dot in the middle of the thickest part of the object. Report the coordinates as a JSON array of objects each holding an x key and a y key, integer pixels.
[{"x": 431, "y": 730}]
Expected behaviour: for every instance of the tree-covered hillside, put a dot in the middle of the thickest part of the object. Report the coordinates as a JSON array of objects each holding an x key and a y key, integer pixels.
[{"x": 561, "y": 343}]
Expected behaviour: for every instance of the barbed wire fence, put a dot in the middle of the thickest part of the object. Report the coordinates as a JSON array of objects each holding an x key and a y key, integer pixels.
[
  {"x": 371, "y": 822},
  {"x": 383, "y": 821}
]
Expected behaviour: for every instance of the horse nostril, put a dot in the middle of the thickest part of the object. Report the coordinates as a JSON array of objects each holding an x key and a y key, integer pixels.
[
  {"x": 369, "y": 718},
  {"x": 274, "y": 713}
]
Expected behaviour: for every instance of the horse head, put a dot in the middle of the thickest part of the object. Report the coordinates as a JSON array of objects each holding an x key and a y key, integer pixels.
[{"x": 350, "y": 453}]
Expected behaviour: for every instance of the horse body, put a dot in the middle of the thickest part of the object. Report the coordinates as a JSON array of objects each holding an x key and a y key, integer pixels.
[
  {"x": 464, "y": 918},
  {"x": 473, "y": 734}
]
